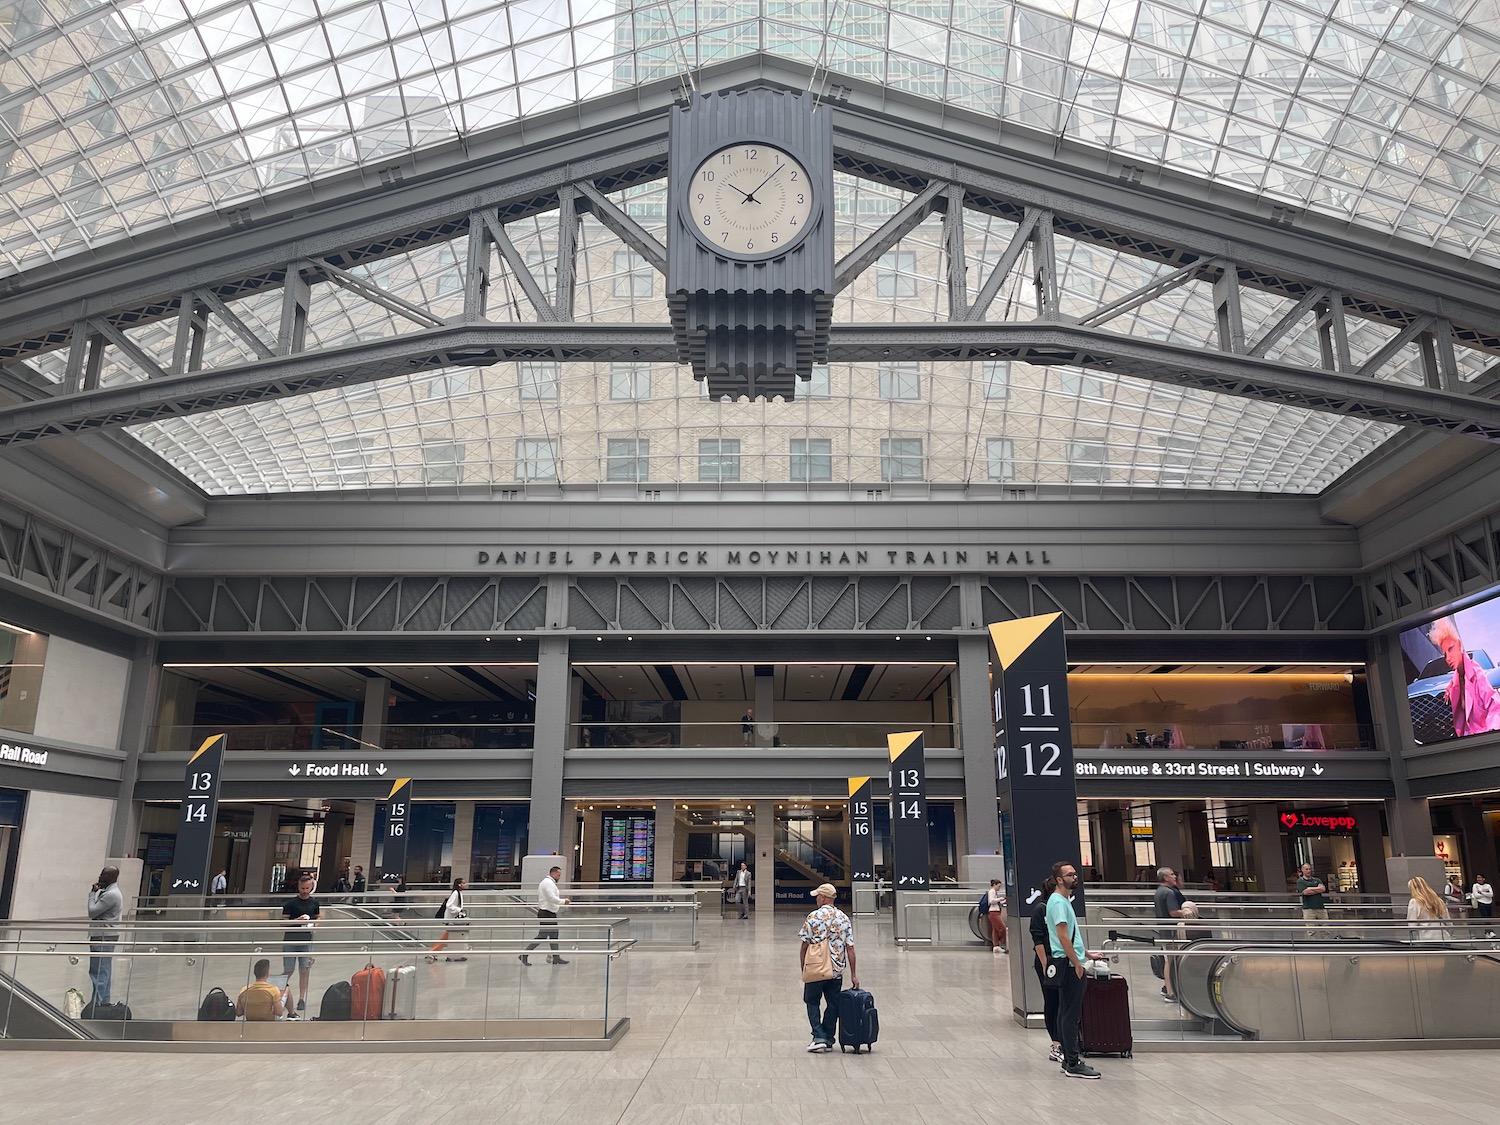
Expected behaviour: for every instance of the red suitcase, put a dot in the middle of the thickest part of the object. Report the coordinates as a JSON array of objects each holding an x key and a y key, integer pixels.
[
  {"x": 1104, "y": 1028},
  {"x": 367, "y": 994}
]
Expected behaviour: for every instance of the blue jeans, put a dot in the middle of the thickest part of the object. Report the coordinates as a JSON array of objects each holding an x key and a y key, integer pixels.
[
  {"x": 823, "y": 1024},
  {"x": 101, "y": 970}
]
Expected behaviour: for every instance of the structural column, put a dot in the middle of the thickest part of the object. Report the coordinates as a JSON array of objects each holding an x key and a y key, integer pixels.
[
  {"x": 976, "y": 718},
  {"x": 1200, "y": 850},
  {"x": 1369, "y": 843},
  {"x": 1265, "y": 845},
  {"x": 547, "y": 757},
  {"x": 463, "y": 839},
  {"x": 666, "y": 841},
  {"x": 377, "y": 696},
  {"x": 1166, "y": 835},
  {"x": 765, "y": 704},
  {"x": 1479, "y": 845},
  {"x": 1113, "y": 863},
  {"x": 763, "y": 865},
  {"x": 362, "y": 845},
  {"x": 263, "y": 824}
]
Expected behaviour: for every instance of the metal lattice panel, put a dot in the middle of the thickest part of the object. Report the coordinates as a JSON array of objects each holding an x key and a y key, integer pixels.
[
  {"x": 349, "y": 605},
  {"x": 1463, "y": 562},
  {"x": 1195, "y": 603},
  {"x": 44, "y": 556}
]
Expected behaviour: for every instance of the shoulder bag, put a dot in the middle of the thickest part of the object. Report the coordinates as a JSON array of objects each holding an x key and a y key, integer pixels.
[{"x": 818, "y": 964}]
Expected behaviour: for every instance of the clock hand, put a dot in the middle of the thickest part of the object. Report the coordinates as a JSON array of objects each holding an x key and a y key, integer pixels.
[
  {"x": 745, "y": 194},
  {"x": 762, "y": 184}
]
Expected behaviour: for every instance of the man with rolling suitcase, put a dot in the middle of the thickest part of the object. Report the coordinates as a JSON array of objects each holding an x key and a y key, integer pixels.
[
  {"x": 1067, "y": 967},
  {"x": 827, "y": 946}
]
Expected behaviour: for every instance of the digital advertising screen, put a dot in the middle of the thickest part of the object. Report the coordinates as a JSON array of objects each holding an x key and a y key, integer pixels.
[
  {"x": 1453, "y": 673},
  {"x": 628, "y": 848}
]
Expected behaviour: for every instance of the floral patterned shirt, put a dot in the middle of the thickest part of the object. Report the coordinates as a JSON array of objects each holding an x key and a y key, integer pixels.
[{"x": 830, "y": 924}]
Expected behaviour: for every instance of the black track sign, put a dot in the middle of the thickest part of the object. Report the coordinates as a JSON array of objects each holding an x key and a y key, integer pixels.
[
  {"x": 195, "y": 827},
  {"x": 911, "y": 864},
  {"x": 861, "y": 831},
  {"x": 1034, "y": 755},
  {"x": 397, "y": 828}
]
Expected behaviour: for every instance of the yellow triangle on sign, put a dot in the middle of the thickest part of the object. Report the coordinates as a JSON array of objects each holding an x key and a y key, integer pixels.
[
  {"x": 855, "y": 783},
  {"x": 400, "y": 781},
  {"x": 207, "y": 742},
  {"x": 1012, "y": 638},
  {"x": 900, "y": 742}
]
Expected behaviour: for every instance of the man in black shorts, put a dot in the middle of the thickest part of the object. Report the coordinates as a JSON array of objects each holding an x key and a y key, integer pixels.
[{"x": 304, "y": 912}]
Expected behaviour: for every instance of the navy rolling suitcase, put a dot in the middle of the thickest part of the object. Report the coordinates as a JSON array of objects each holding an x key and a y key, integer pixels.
[
  {"x": 1104, "y": 1027},
  {"x": 859, "y": 1022}
]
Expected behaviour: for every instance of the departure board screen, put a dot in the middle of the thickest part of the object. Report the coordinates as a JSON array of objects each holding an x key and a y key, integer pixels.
[{"x": 628, "y": 852}]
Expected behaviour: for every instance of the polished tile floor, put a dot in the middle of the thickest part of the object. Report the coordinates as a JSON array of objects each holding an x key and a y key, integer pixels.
[{"x": 717, "y": 1039}]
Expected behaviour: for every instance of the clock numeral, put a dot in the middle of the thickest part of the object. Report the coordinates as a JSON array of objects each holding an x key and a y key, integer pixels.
[
  {"x": 707, "y": 221},
  {"x": 775, "y": 238},
  {"x": 801, "y": 198},
  {"x": 749, "y": 244},
  {"x": 700, "y": 197},
  {"x": 794, "y": 177},
  {"x": 750, "y": 154},
  {"x": 727, "y": 158},
  {"x": 723, "y": 236},
  {"x": 792, "y": 221},
  {"x": 707, "y": 175}
]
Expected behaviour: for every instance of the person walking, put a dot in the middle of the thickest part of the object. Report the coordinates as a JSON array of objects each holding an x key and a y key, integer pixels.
[
  {"x": 549, "y": 902},
  {"x": 747, "y": 727},
  {"x": 1168, "y": 904},
  {"x": 1427, "y": 913},
  {"x": 106, "y": 908},
  {"x": 297, "y": 942},
  {"x": 456, "y": 932},
  {"x": 742, "y": 889},
  {"x": 220, "y": 884},
  {"x": 993, "y": 908},
  {"x": 1066, "y": 950},
  {"x": 829, "y": 927},
  {"x": 1040, "y": 946}
]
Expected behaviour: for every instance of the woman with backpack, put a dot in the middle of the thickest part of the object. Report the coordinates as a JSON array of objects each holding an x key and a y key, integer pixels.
[{"x": 456, "y": 934}]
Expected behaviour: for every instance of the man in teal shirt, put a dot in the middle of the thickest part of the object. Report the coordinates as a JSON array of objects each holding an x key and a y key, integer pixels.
[{"x": 1067, "y": 953}]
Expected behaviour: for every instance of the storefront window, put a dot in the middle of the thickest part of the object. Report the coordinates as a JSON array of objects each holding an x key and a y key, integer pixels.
[{"x": 500, "y": 833}]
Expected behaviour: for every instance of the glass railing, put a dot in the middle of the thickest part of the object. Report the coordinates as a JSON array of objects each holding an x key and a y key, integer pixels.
[
  {"x": 665, "y": 918},
  {"x": 474, "y": 986},
  {"x": 314, "y": 738},
  {"x": 711, "y": 735},
  {"x": 1265, "y": 735}
]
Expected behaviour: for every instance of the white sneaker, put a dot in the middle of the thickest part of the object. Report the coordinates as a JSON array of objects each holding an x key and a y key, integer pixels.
[
  {"x": 1054, "y": 1053},
  {"x": 997, "y": 949},
  {"x": 817, "y": 1045}
]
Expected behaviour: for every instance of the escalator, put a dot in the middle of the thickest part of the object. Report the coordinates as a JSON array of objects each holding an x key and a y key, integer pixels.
[{"x": 24, "y": 1014}]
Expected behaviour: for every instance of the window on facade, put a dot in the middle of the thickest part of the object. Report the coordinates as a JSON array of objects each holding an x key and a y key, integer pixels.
[
  {"x": 627, "y": 459},
  {"x": 896, "y": 274},
  {"x": 540, "y": 380},
  {"x": 718, "y": 459},
  {"x": 900, "y": 459},
  {"x": 902, "y": 381},
  {"x": 1084, "y": 386},
  {"x": 1086, "y": 462},
  {"x": 536, "y": 459},
  {"x": 443, "y": 462},
  {"x": 996, "y": 374},
  {"x": 633, "y": 275},
  {"x": 819, "y": 385},
  {"x": 1000, "y": 453},
  {"x": 630, "y": 380},
  {"x": 812, "y": 459}
]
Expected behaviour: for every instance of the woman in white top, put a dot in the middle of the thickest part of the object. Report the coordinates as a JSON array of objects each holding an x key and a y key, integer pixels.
[
  {"x": 1427, "y": 912},
  {"x": 453, "y": 913}
]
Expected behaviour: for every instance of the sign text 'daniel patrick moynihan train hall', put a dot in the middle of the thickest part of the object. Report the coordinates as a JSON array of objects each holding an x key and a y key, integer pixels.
[{"x": 979, "y": 558}]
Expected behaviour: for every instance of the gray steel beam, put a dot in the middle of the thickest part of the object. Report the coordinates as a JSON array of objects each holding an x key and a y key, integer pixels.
[
  {"x": 482, "y": 345},
  {"x": 879, "y": 132},
  {"x": 892, "y": 231}
]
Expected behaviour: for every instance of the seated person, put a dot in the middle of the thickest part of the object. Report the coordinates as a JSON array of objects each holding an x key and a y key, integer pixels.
[{"x": 262, "y": 999}]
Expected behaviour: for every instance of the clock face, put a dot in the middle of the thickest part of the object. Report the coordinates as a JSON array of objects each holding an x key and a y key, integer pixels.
[{"x": 750, "y": 200}]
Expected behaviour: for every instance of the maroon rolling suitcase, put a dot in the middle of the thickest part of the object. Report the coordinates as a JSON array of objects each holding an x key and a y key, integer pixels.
[{"x": 1104, "y": 1028}]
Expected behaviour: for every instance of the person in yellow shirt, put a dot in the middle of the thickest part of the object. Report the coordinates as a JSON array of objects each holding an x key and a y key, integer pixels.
[{"x": 261, "y": 1000}]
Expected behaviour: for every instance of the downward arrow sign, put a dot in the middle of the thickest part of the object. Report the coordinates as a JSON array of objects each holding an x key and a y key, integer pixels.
[
  {"x": 294, "y": 770},
  {"x": 1317, "y": 769},
  {"x": 380, "y": 769}
]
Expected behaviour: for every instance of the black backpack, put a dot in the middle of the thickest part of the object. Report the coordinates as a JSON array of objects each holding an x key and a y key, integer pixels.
[
  {"x": 216, "y": 1007},
  {"x": 114, "y": 1012},
  {"x": 338, "y": 1001}
]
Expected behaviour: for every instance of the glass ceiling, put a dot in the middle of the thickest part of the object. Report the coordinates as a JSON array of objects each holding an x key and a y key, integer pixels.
[{"x": 119, "y": 117}]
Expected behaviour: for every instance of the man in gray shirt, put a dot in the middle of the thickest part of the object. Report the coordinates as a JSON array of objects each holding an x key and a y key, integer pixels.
[
  {"x": 106, "y": 908},
  {"x": 1168, "y": 905}
]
